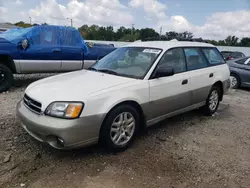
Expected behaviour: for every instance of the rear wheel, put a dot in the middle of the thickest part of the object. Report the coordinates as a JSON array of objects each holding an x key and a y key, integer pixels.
[
  {"x": 120, "y": 127},
  {"x": 6, "y": 78},
  {"x": 213, "y": 101},
  {"x": 235, "y": 81}
]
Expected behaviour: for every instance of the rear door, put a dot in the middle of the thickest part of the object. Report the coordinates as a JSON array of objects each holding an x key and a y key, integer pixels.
[
  {"x": 43, "y": 54},
  {"x": 206, "y": 66},
  {"x": 72, "y": 50},
  {"x": 201, "y": 76}
]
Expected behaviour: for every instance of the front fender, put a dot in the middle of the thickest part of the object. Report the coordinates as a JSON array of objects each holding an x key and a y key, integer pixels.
[{"x": 102, "y": 104}]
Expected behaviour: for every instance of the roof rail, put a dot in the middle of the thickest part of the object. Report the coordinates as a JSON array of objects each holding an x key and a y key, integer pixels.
[{"x": 164, "y": 38}]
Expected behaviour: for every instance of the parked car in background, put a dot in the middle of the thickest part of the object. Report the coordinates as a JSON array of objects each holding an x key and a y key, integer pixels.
[
  {"x": 132, "y": 87},
  {"x": 229, "y": 55},
  {"x": 45, "y": 49},
  {"x": 240, "y": 72}
]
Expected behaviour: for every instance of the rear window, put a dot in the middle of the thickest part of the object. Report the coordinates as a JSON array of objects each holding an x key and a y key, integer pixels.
[
  {"x": 237, "y": 55},
  {"x": 213, "y": 56}
]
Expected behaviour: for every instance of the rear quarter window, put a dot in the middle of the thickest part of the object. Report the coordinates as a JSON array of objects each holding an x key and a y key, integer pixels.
[{"x": 213, "y": 56}]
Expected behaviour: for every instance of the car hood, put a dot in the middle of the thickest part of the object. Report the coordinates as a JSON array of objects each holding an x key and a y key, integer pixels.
[{"x": 74, "y": 86}]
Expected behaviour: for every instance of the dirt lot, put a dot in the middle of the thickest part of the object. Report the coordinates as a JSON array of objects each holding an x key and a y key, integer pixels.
[{"x": 190, "y": 150}]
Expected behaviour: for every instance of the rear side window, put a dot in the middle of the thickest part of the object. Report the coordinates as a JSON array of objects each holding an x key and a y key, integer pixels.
[
  {"x": 195, "y": 59},
  {"x": 69, "y": 38},
  {"x": 213, "y": 56}
]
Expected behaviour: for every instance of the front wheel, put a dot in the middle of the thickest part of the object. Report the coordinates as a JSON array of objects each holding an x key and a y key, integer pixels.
[
  {"x": 120, "y": 127},
  {"x": 213, "y": 101},
  {"x": 6, "y": 78}
]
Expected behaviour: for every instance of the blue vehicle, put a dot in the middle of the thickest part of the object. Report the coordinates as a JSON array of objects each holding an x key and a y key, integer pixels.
[{"x": 45, "y": 49}]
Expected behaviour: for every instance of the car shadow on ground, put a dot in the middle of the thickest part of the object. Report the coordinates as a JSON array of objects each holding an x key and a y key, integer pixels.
[{"x": 245, "y": 88}]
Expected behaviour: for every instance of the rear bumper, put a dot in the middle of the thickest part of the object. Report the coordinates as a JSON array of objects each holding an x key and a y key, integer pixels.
[{"x": 60, "y": 133}]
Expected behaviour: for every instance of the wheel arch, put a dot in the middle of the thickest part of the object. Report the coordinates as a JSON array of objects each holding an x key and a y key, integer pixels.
[
  {"x": 132, "y": 103},
  {"x": 220, "y": 85},
  {"x": 8, "y": 62}
]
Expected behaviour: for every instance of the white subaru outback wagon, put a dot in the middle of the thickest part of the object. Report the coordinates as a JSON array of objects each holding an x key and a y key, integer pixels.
[{"x": 134, "y": 86}]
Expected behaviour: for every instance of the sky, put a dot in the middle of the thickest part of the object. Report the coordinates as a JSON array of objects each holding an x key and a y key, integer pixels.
[{"x": 209, "y": 19}]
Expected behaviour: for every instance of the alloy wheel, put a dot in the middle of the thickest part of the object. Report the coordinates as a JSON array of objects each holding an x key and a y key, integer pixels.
[
  {"x": 234, "y": 81},
  {"x": 122, "y": 128},
  {"x": 213, "y": 100}
]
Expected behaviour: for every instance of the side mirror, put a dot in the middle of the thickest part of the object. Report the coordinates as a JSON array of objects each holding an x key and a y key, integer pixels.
[
  {"x": 164, "y": 72},
  {"x": 24, "y": 44}
]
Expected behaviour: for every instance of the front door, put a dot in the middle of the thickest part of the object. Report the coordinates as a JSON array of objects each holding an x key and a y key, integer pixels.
[
  {"x": 172, "y": 93},
  {"x": 245, "y": 73},
  {"x": 44, "y": 52}
]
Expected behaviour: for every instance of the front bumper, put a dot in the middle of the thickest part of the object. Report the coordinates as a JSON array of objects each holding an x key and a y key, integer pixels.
[{"x": 60, "y": 133}]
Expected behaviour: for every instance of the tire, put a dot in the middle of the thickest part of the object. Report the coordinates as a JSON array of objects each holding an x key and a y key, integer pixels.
[
  {"x": 113, "y": 128},
  {"x": 213, "y": 101},
  {"x": 235, "y": 81},
  {"x": 6, "y": 78}
]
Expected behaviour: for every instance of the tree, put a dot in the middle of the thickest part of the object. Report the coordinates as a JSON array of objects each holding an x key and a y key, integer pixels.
[
  {"x": 174, "y": 35},
  {"x": 148, "y": 32},
  {"x": 214, "y": 42},
  {"x": 245, "y": 42},
  {"x": 23, "y": 24},
  {"x": 186, "y": 35},
  {"x": 231, "y": 41}
]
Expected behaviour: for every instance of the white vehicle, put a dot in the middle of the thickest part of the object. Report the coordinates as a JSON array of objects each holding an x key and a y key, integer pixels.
[{"x": 130, "y": 88}]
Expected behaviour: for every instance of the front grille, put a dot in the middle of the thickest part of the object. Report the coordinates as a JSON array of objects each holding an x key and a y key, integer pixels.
[{"x": 32, "y": 104}]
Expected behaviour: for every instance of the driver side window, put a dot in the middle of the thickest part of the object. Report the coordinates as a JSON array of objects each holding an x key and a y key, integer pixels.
[{"x": 174, "y": 58}]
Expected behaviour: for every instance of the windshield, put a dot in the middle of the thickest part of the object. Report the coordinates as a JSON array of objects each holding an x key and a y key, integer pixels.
[{"x": 132, "y": 62}]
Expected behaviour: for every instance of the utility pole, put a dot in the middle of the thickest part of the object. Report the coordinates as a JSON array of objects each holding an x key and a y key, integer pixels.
[
  {"x": 71, "y": 21},
  {"x": 160, "y": 33},
  {"x": 132, "y": 30},
  {"x": 30, "y": 20}
]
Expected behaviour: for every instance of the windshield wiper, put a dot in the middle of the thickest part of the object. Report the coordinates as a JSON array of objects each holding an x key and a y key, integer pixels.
[
  {"x": 108, "y": 71},
  {"x": 92, "y": 68}
]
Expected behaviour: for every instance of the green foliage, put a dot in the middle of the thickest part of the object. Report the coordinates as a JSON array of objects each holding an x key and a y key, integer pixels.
[
  {"x": 95, "y": 32},
  {"x": 22, "y": 24},
  {"x": 245, "y": 42}
]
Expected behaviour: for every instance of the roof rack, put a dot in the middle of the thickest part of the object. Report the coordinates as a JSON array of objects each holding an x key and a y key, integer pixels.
[{"x": 164, "y": 38}]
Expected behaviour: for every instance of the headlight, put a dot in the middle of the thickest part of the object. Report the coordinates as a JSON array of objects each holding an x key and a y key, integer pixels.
[{"x": 67, "y": 110}]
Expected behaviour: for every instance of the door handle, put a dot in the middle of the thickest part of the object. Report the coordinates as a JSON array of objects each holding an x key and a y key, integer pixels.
[
  {"x": 184, "y": 82},
  {"x": 56, "y": 50},
  {"x": 211, "y": 75}
]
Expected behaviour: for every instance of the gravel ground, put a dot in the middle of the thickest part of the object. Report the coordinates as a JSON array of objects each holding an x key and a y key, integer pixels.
[{"x": 190, "y": 150}]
